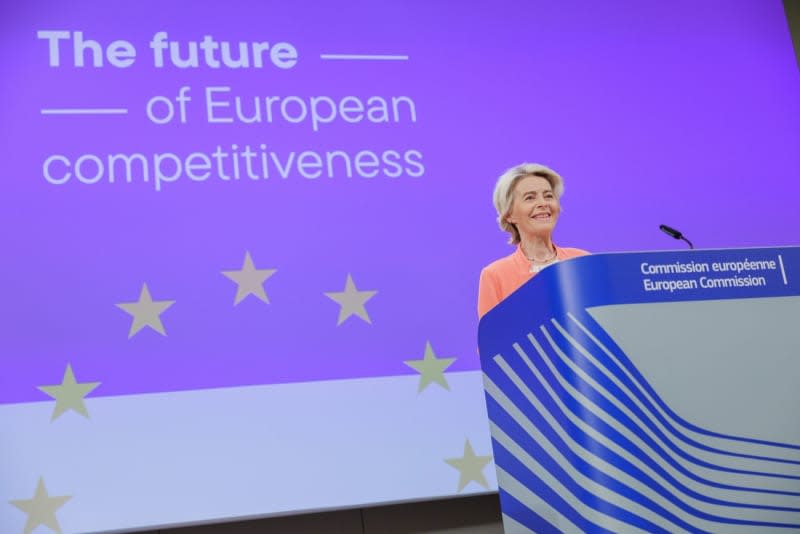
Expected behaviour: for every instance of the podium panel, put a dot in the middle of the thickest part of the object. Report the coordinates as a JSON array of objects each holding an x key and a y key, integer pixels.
[{"x": 649, "y": 392}]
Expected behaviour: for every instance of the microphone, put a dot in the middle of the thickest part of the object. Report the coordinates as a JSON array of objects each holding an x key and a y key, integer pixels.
[{"x": 672, "y": 232}]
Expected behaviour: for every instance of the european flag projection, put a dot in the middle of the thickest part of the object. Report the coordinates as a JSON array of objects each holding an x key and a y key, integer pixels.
[{"x": 241, "y": 241}]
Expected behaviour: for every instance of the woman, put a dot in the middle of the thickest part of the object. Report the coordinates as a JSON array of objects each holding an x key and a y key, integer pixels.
[{"x": 526, "y": 198}]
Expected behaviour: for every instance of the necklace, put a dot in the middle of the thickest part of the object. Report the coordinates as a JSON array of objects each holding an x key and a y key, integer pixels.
[{"x": 537, "y": 266}]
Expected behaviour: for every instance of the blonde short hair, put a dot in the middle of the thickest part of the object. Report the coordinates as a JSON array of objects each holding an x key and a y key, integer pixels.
[{"x": 504, "y": 192}]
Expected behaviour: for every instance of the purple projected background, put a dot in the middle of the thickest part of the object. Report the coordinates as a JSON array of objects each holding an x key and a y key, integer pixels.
[{"x": 678, "y": 113}]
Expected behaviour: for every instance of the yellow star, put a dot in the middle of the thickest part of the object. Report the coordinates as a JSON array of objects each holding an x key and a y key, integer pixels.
[
  {"x": 69, "y": 394},
  {"x": 250, "y": 280},
  {"x": 431, "y": 368},
  {"x": 351, "y": 301},
  {"x": 146, "y": 312},
  {"x": 470, "y": 467},
  {"x": 41, "y": 509}
]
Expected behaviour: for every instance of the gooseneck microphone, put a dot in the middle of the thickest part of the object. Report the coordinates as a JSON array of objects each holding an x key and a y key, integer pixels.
[{"x": 672, "y": 232}]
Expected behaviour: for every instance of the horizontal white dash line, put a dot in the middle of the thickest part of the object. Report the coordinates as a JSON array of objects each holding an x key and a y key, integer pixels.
[
  {"x": 364, "y": 57},
  {"x": 84, "y": 111}
]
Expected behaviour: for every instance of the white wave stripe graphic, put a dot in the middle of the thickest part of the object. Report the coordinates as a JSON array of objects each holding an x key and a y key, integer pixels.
[
  {"x": 733, "y": 496},
  {"x": 514, "y": 487},
  {"x": 512, "y": 526},
  {"x": 758, "y": 450},
  {"x": 588, "y": 454},
  {"x": 690, "y": 464},
  {"x": 716, "y": 458},
  {"x": 730, "y": 443},
  {"x": 523, "y": 494},
  {"x": 575, "y": 475},
  {"x": 517, "y": 489}
]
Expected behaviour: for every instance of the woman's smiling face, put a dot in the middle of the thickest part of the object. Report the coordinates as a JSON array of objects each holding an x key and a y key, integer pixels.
[{"x": 534, "y": 208}]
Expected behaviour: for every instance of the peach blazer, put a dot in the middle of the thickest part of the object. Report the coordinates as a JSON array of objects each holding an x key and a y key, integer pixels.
[{"x": 504, "y": 276}]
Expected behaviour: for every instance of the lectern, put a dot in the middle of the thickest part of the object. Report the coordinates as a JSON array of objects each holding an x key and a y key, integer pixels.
[{"x": 649, "y": 392}]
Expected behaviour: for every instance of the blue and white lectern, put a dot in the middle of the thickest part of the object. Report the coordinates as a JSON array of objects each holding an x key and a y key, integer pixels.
[{"x": 649, "y": 392}]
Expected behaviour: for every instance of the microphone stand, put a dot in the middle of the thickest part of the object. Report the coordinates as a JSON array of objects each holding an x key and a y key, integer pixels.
[{"x": 672, "y": 232}]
